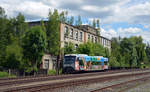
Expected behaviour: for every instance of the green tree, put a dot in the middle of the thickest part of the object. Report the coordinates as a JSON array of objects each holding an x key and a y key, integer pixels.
[
  {"x": 71, "y": 20},
  {"x": 13, "y": 56},
  {"x": 113, "y": 62},
  {"x": 122, "y": 61},
  {"x": 98, "y": 27},
  {"x": 99, "y": 50},
  {"x": 127, "y": 46},
  {"x": 53, "y": 37},
  {"x": 63, "y": 16},
  {"x": 79, "y": 21},
  {"x": 94, "y": 23},
  {"x": 129, "y": 52},
  {"x": 2, "y": 13},
  {"x": 86, "y": 48},
  {"x": 69, "y": 49},
  {"x": 43, "y": 25},
  {"x": 134, "y": 58},
  {"x": 5, "y": 35},
  {"x": 98, "y": 23},
  {"x": 20, "y": 26},
  {"x": 107, "y": 52},
  {"x": 34, "y": 44},
  {"x": 140, "y": 48},
  {"x": 147, "y": 50},
  {"x": 92, "y": 49}
]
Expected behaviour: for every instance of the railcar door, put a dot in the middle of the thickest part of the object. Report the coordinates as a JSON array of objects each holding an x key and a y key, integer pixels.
[{"x": 105, "y": 65}]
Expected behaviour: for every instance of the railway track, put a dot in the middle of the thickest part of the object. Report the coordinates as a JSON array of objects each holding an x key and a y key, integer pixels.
[
  {"x": 9, "y": 81},
  {"x": 71, "y": 81},
  {"x": 124, "y": 86}
]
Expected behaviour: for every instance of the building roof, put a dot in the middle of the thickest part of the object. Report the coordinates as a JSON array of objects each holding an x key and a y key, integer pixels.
[
  {"x": 86, "y": 26},
  {"x": 105, "y": 38}
]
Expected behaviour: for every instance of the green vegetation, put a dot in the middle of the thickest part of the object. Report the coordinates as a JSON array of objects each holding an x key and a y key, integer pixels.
[
  {"x": 53, "y": 33},
  {"x": 5, "y": 74},
  {"x": 129, "y": 52},
  {"x": 79, "y": 21},
  {"x": 92, "y": 49},
  {"x": 89, "y": 48},
  {"x": 53, "y": 72},
  {"x": 69, "y": 49},
  {"x": 34, "y": 44},
  {"x": 125, "y": 52},
  {"x": 21, "y": 47}
]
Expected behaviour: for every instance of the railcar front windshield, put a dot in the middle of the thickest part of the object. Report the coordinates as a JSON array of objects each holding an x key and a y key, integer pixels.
[{"x": 69, "y": 59}]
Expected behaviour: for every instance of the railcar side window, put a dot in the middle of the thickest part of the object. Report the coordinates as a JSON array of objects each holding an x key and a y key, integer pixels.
[{"x": 96, "y": 63}]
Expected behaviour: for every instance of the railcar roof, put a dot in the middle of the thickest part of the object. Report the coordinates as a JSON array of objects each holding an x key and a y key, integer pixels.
[
  {"x": 90, "y": 58},
  {"x": 76, "y": 55}
]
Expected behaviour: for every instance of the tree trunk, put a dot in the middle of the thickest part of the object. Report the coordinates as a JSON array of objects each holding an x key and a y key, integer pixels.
[{"x": 57, "y": 65}]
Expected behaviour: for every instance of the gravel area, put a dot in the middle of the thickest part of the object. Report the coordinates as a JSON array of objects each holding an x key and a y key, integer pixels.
[
  {"x": 90, "y": 87},
  {"x": 141, "y": 88}
]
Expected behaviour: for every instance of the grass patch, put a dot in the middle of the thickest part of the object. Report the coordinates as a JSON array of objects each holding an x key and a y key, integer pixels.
[
  {"x": 53, "y": 72},
  {"x": 5, "y": 74}
]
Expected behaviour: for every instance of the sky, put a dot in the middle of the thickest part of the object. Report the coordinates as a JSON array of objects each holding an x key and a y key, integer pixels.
[{"x": 122, "y": 18}]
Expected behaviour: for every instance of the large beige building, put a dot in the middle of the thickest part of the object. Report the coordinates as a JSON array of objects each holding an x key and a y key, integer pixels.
[
  {"x": 75, "y": 34},
  {"x": 81, "y": 34}
]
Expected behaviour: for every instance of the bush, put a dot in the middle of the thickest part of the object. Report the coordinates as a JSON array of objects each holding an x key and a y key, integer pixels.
[
  {"x": 113, "y": 62},
  {"x": 5, "y": 74},
  {"x": 52, "y": 72}
]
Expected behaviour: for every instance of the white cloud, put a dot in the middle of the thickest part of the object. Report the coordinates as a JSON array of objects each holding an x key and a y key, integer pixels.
[
  {"x": 92, "y": 8},
  {"x": 136, "y": 14},
  {"x": 108, "y": 33},
  {"x": 129, "y": 30},
  {"x": 146, "y": 26},
  {"x": 145, "y": 35},
  {"x": 29, "y": 8},
  {"x": 109, "y": 11},
  {"x": 126, "y": 32}
]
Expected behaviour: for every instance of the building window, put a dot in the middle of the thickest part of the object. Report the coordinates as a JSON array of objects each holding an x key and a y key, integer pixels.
[
  {"x": 66, "y": 32},
  {"x": 92, "y": 39},
  {"x": 88, "y": 36},
  {"x": 76, "y": 38},
  {"x": 101, "y": 41},
  {"x": 81, "y": 36},
  {"x": 104, "y": 42},
  {"x": 95, "y": 39},
  {"x": 107, "y": 43},
  {"x": 71, "y": 33}
]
